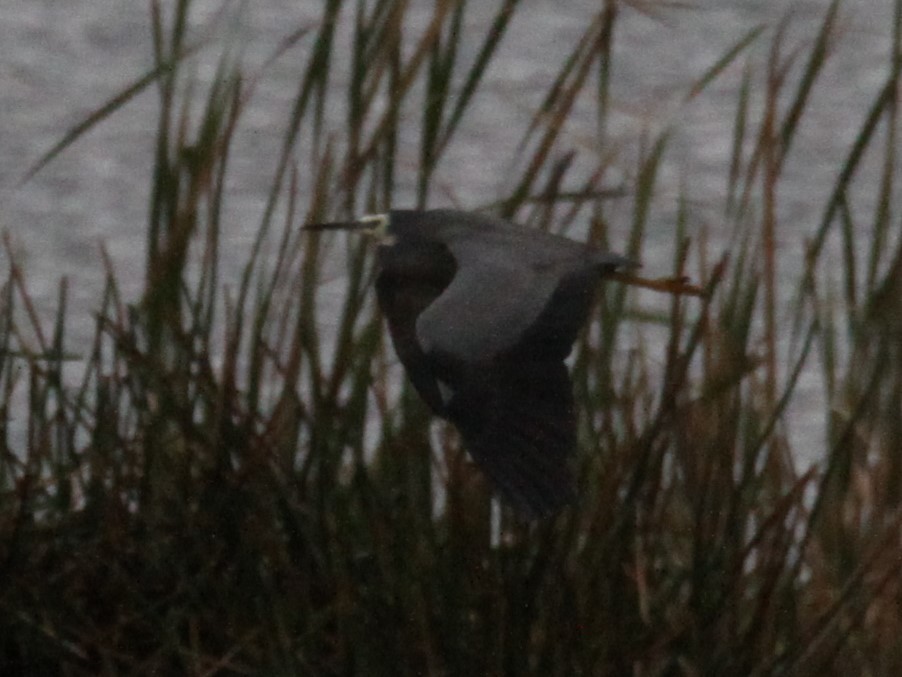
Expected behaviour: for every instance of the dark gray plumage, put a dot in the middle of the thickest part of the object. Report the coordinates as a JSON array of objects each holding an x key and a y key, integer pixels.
[{"x": 482, "y": 314}]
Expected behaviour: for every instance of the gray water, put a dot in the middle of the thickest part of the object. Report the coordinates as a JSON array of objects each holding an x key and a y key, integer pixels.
[{"x": 60, "y": 60}]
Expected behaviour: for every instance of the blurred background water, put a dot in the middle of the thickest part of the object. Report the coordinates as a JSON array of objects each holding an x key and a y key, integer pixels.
[{"x": 60, "y": 61}]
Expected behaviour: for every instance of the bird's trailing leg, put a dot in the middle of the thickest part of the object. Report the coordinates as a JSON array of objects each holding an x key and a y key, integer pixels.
[{"x": 670, "y": 285}]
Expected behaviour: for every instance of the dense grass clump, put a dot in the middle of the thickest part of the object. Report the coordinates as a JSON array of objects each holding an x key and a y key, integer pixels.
[{"x": 228, "y": 488}]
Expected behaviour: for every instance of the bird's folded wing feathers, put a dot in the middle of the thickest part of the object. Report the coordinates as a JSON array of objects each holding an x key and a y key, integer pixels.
[{"x": 487, "y": 308}]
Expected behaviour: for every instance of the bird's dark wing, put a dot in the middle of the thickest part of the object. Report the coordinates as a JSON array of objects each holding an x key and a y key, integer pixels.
[
  {"x": 513, "y": 402},
  {"x": 489, "y": 356},
  {"x": 517, "y": 421},
  {"x": 516, "y": 414},
  {"x": 554, "y": 330},
  {"x": 495, "y": 297}
]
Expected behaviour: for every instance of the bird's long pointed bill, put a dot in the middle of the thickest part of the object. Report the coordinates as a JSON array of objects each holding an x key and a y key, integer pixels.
[
  {"x": 338, "y": 225},
  {"x": 669, "y": 285}
]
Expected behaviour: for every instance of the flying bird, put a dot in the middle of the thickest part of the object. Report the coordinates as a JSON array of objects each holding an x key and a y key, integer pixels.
[{"x": 482, "y": 314}]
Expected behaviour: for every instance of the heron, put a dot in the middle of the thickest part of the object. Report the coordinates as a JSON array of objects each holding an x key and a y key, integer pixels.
[{"x": 483, "y": 314}]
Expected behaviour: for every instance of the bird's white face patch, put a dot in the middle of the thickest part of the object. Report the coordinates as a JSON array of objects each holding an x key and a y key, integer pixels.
[{"x": 379, "y": 229}]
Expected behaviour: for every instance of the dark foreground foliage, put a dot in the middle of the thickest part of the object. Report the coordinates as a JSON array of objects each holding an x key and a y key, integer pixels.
[{"x": 232, "y": 479}]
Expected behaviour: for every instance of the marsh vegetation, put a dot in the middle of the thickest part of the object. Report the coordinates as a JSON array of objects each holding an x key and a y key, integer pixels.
[{"x": 216, "y": 485}]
